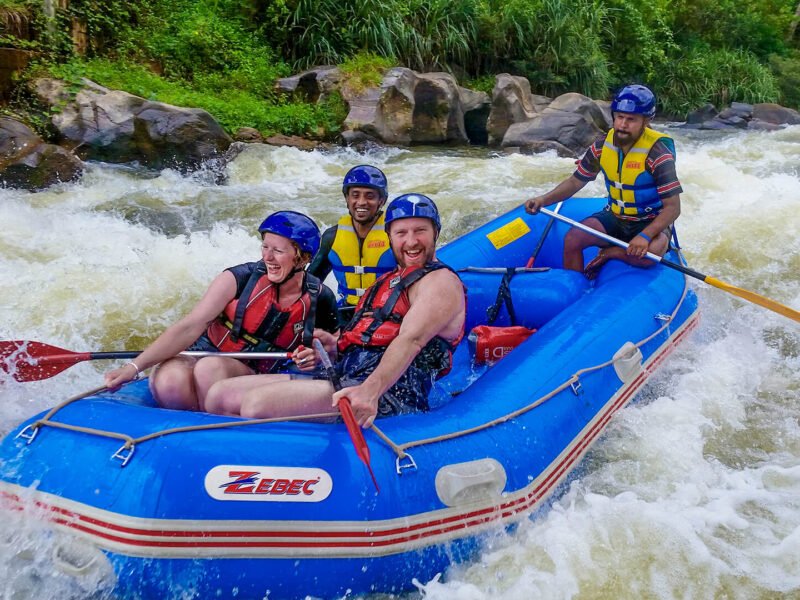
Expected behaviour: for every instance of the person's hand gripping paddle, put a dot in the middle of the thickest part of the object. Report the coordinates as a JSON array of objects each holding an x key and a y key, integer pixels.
[{"x": 356, "y": 435}]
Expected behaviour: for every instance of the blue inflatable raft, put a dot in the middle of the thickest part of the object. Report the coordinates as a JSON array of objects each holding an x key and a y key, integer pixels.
[{"x": 169, "y": 504}]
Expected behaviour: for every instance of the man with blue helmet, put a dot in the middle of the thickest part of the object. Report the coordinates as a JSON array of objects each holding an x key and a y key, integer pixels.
[
  {"x": 356, "y": 249},
  {"x": 400, "y": 339},
  {"x": 263, "y": 306},
  {"x": 638, "y": 164}
]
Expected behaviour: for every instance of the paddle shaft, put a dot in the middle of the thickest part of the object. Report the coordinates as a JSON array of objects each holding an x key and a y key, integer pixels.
[
  {"x": 741, "y": 293},
  {"x": 73, "y": 357},
  {"x": 356, "y": 435},
  {"x": 547, "y": 229}
]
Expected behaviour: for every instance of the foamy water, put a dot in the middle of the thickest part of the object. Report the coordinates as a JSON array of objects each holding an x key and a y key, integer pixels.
[{"x": 693, "y": 492}]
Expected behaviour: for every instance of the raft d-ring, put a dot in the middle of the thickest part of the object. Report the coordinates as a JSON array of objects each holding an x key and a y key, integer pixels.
[
  {"x": 124, "y": 453},
  {"x": 25, "y": 434},
  {"x": 662, "y": 317},
  {"x": 411, "y": 464},
  {"x": 576, "y": 387}
]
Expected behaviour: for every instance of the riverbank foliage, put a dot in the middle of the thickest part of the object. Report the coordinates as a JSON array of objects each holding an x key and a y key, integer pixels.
[{"x": 225, "y": 55}]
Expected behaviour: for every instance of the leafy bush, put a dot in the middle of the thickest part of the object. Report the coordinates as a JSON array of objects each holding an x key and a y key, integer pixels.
[
  {"x": 716, "y": 76},
  {"x": 787, "y": 72}
]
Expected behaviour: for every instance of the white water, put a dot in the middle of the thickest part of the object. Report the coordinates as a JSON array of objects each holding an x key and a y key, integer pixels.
[{"x": 694, "y": 491}]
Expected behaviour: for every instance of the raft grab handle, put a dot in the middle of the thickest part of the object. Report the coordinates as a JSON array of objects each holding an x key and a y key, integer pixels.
[
  {"x": 411, "y": 464},
  {"x": 125, "y": 453}
]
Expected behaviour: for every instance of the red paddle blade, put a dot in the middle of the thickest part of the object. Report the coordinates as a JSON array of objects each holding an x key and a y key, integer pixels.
[
  {"x": 357, "y": 437},
  {"x": 32, "y": 361}
]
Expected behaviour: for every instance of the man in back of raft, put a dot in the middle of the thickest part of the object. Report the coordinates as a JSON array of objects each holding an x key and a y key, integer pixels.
[
  {"x": 400, "y": 339},
  {"x": 643, "y": 189}
]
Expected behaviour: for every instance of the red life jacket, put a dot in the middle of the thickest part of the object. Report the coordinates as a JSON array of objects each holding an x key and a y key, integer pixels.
[
  {"x": 255, "y": 321},
  {"x": 380, "y": 312}
]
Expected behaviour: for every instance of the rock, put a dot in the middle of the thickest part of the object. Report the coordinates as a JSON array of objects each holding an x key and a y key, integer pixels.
[
  {"x": 408, "y": 108},
  {"x": 291, "y": 140},
  {"x": 27, "y": 162},
  {"x": 736, "y": 111},
  {"x": 311, "y": 85},
  {"x": 115, "y": 126},
  {"x": 249, "y": 135},
  {"x": 569, "y": 129},
  {"x": 775, "y": 114},
  {"x": 704, "y": 113},
  {"x": 573, "y": 102},
  {"x": 476, "y": 107},
  {"x": 512, "y": 102}
]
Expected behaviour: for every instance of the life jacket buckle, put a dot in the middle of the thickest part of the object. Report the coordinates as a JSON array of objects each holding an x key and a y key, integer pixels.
[
  {"x": 410, "y": 464},
  {"x": 358, "y": 269},
  {"x": 29, "y": 433},
  {"x": 124, "y": 453}
]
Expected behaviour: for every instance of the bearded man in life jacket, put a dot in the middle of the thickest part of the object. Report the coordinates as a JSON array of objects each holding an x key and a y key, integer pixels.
[
  {"x": 400, "y": 339},
  {"x": 638, "y": 164}
]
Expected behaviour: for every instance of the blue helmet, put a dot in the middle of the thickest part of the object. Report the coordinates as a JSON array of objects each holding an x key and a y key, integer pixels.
[
  {"x": 413, "y": 205},
  {"x": 295, "y": 226},
  {"x": 366, "y": 176},
  {"x": 636, "y": 99}
]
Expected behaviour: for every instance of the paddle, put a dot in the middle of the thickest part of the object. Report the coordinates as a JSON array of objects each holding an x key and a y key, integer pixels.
[
  {"x": 745, "y": 294},
  {"x": 547, "y": 229},
  {"x": 356, "y": 435},
  {"x": 33, "y": 361}
]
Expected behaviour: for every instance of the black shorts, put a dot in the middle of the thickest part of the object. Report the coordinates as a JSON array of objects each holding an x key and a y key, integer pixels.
[
  {"x": 622, "y": 229},
  {"x": 260, "y": 366}
]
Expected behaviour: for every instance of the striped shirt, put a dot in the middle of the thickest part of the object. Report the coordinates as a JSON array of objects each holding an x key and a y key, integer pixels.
[{"x": 660, "y": 164}]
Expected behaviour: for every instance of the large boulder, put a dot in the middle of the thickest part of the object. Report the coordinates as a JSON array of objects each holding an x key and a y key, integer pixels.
[
  {"x": 572, "y": 120},
  {"x": 408, "y": 108},
  {"x": 775, "y": 114},
  {"x": 115, "y": 126},
  {"x": 27, "y": 162},
  {"x": 512, "y": 102}
]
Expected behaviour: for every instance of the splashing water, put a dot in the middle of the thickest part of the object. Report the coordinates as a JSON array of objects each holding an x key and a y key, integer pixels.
[{"x": 694, "y": 490}]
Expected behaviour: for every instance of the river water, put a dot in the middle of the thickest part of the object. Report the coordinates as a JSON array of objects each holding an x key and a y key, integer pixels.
[{"x": 693, "y": 492}]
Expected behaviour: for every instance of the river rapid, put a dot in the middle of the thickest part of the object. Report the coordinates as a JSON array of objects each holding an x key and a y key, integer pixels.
[{"x": 693, "y": 491}]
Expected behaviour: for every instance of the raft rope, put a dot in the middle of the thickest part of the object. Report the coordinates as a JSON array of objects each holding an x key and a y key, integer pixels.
[
  {"x": 573, "y": 382},
  {"x": 125, "y": 452}
]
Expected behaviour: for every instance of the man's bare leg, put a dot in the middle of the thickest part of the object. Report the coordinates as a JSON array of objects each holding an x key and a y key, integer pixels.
[{"x": 288, "y": 398}]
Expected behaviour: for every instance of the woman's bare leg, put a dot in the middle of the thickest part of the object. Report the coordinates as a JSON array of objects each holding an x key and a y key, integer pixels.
[
  {"x": 211, "y": 369},
  {"x": 172, "y": 384},
  {"x": 225, "y": 396}
]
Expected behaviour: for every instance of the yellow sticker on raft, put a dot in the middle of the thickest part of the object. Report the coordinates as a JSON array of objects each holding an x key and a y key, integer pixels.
[{"x": 510, "y": 232}]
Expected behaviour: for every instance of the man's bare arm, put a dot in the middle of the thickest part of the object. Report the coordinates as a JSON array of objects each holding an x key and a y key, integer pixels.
[
  {"x": 437, "y": 308},
  {"x": 566, "y": 189}
]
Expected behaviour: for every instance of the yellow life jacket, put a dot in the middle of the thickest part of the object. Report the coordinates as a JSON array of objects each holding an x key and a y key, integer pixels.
[
  {"x": 632, "y": 190},
  {"x": 357, "y": 266}
]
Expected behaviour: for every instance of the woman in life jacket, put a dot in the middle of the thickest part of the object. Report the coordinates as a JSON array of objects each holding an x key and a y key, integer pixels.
[
  {"x": 268, "y": 305},
  {"x": 400, "y": 339}
]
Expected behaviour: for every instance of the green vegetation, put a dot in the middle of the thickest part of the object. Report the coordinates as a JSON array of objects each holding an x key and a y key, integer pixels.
[{"x": 225, "y": 55}]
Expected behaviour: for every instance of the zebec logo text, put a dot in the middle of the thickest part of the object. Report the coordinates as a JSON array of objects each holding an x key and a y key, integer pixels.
[{"x": 268, "y": 484}]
